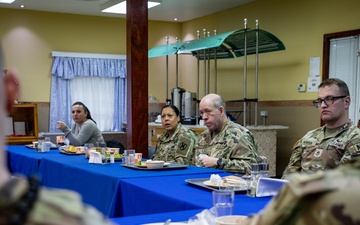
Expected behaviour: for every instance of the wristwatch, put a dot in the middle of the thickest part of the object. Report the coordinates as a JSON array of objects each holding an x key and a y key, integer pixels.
[{"x": 219, "y": 162}]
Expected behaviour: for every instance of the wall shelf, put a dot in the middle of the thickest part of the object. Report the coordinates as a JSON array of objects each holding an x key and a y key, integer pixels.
[{"x": 26, "y": 116}]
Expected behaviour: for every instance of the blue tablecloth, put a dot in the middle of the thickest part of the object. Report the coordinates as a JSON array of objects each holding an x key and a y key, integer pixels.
[
  {"x": 172, "y": 193},
  {"x": 25, "y": 161},
  {"x": 99, "y": 185}
]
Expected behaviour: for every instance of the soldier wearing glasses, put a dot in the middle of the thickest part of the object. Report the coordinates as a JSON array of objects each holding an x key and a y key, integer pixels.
[{"x": 333, "y": 144}]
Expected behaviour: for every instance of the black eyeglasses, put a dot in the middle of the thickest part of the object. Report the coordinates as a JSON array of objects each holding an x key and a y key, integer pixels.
[{"x": 329, "y": 100}]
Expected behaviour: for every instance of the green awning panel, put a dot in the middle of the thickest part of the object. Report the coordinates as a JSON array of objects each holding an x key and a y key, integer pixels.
[
  {"x": 205, "y": 43},
  {"x": 267, "y": 42},
  {"x": 163, "y": 50},
  {"x": 222, "y": 46}
]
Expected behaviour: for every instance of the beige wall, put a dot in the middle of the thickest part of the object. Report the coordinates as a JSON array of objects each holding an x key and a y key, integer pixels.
[{"x": 29, "y": 37}]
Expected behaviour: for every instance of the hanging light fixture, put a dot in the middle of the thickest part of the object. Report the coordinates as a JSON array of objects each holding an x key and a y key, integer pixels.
[
  {"x": 119, "y": 6},
  {"x": 7, "y": 1}
]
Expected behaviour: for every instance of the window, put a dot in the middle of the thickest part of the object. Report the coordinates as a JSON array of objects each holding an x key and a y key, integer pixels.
[{"x": 100, "y": 83}]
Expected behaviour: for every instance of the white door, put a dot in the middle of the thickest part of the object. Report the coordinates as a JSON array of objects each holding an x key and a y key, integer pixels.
[{"x": 345, "y": 65}]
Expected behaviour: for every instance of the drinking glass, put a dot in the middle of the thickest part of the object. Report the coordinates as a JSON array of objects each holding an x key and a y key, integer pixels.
[
  {"x": 103, "y": 149},
  {"x": 46, "y": 145},
  {"x": 126, "y": 156},
  {"x": 88, "y": 147},
  {"x": 223, "y": 201}
]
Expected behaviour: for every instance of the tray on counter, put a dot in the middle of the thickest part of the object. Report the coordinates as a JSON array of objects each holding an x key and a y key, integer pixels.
[
  {"x": 199, "y": 182},
  {"x": 171, "y": 166}
]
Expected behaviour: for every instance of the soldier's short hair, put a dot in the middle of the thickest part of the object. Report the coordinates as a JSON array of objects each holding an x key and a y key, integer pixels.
[
  {"x": 344, "y": 90},
  {"x": 219, "y": 102}
]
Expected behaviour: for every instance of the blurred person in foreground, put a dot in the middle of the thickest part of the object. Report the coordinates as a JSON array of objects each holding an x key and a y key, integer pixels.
[
  {"x": 332, "y": 144},
  {"x": 225, "y": 144},
  {"x": 177, "y": 143},
  {"x": 84, "y": 130},
  {"x": 23, "y": 201},
  {"x": 328, "y": 197}
]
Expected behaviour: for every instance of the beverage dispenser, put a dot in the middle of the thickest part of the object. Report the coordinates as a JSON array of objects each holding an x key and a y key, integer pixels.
[{"x": 176, "y": 98}]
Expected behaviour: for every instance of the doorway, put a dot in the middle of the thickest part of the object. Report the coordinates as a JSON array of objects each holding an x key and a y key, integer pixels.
[{"x": 341, "y": 60}]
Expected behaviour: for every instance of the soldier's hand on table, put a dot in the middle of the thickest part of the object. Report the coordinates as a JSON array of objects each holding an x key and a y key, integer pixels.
[{"x": 208, "y": 162}]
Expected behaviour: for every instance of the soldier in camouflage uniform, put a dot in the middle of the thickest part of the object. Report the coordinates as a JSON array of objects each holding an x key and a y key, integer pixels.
[
  {"x": 228, "y": 145},
  {"x": 177, "y": 143},
  {"x": 22, "y": 201},
  {"x": 333, "y": 144},
  {"x": 322, "y": 198}
]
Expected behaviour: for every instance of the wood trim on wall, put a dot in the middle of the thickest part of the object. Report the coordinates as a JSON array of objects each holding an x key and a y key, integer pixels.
[{"x": 283, "y": 103}]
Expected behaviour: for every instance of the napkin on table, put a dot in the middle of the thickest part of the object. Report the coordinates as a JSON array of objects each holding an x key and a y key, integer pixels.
[
  {"x": 95, "y": 157},
  {"x": 269, "y": 186}
]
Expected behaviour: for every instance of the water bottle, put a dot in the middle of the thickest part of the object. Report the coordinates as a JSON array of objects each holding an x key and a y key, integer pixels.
[
  {"x": 254, "y": 178},
  {"x": 264, "y": 170},
  {"x": 41, "y": 139}
]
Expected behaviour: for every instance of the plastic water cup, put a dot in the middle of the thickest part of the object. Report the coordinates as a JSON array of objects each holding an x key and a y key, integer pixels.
[
  {"x": 87, "y": 147},
  {"x": 46, "y": 145},
  {"x": 223, "y": 202}
]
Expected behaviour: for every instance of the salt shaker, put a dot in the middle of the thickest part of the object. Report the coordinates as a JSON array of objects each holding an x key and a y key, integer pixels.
[{"x": 112, "y": 157}]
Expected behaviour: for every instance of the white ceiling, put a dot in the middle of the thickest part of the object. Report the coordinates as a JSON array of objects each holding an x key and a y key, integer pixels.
[{"x": 184, "y": 10}]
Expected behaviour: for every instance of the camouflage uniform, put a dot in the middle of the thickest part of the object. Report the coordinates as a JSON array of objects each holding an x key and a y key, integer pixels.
[
  {"x": 24, "y": 202},
  {"x": 235, "y": 145},
  {"x": 176, "y": 148},
  {"x": 325, "y": 197},
  {"x": 315, "y": 152}
]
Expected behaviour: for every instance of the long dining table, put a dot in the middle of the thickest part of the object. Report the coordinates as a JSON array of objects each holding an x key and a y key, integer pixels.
[{"x": 120, "y": 192}]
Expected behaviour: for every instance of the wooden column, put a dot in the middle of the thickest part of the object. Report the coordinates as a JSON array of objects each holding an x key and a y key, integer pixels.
[{"x": 137, "y": 75}]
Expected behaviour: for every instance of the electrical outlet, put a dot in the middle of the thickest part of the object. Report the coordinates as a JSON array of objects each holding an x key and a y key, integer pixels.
[{"x": 301, "y": 87}]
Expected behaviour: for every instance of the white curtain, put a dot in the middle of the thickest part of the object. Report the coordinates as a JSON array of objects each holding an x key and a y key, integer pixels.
[
  {"x": 106, "y": 74},
  {"x": 345, "y": 65},
  {"x": 97, "y": 93}
]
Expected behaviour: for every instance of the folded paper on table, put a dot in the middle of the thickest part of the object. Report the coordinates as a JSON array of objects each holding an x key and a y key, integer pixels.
[
  {"x": 95, "y": 157},
  {"x": 269, "y": 186}
]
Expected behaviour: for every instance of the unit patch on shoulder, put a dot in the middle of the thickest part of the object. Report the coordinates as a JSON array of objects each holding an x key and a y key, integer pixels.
[{"x": 183, "y": 146}]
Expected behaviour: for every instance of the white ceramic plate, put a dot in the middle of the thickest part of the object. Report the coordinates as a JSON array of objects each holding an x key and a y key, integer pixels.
[{"x": 144, "y": 166}]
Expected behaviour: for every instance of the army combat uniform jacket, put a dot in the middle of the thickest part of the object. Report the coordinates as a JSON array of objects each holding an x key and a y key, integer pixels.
[
  {"x": 235, "y": 145},
  {"x": 315, "y": 152},
  {"x": 177, "y": 148},
  {"x": 324, "y": 198},
  {"x": 25, "y": 202}
]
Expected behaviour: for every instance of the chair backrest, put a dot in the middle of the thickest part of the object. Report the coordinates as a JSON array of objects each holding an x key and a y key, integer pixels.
[{"x": 115, "y": 144}]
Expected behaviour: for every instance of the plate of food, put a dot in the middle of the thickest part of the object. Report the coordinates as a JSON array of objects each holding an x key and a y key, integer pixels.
[
  {"x": 225, "y": 182},
  {"x": 166, "y": 166},
  {"x": 142, "y": 164},
  {"x": 117, "y": 157},
  {"x": 72, "y": 150},
  {"x": 228, "y": 182}
]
